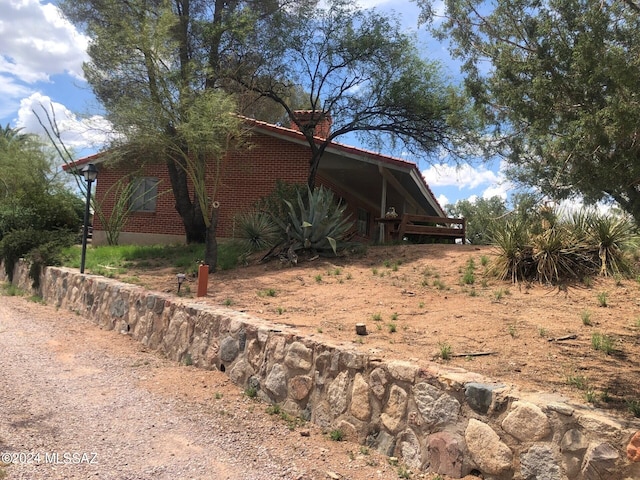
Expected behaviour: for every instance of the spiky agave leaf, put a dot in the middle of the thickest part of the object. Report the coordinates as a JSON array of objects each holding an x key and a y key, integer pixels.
[{"x": 320, "y": 224}]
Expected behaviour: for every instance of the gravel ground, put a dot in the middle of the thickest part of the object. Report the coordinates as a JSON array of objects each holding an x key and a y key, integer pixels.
[{"x": 77, "y": 402}]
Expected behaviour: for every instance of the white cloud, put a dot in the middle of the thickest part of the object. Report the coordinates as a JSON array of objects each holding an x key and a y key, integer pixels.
[
  {"x": 500, "y": 189},
  {"x": 443, "y": 200},
  {"x": 77, "y": 133},
  {"x": 463, "y": 177},
  {"x": 38, "y": 42}
]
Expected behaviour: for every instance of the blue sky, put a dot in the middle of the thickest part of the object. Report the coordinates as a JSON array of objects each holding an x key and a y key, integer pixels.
[{"x": 41, "y": 57}]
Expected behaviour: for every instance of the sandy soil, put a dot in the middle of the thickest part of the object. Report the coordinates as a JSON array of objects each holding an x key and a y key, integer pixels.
[{"x": 415, "y": 304}]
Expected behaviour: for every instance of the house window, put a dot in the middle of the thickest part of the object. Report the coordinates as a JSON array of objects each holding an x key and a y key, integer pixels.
[
  {"x": 362, "y": 224},
  {"x": 144, "y": 195}
]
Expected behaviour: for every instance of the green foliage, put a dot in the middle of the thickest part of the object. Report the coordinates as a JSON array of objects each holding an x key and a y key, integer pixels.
[
  {"x": 275, "y": 204},
  {"x": 319, "y": 225},
  {"x": 366, "y": 68},
  {"x": 49, "y": 252},
  {"x": 603, "y": 299},
  {"x": 444, "y": 350},
  {"x": 480, "y": 214},
  {"x": 10, "y": 290},
  {"x": 578, "y": 381},
  {"x": 603, "y": 343},
  {"x": 124, "y": 192},
  {"x": 557, "y": 88},
  {"x": 40, "y": 248},
  {"x": 269, "y": 292},
  {"x": 336, "y": 435},
  {"x": 113, "y": 259}
]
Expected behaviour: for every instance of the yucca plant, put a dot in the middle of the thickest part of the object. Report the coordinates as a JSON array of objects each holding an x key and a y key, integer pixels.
[
  {"x": 514, "y": 258},
  {"x": 558, "y": 255},
  {"x": 614, "y": 236},
  {"x": 317, "y": 225},
  {"x": 257, "y": 231}
]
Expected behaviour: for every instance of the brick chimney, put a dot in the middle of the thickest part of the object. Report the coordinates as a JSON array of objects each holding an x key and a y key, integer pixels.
[{"x": 320, "y": 121}]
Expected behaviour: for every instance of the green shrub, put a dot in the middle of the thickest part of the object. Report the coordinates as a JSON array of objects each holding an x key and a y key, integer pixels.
[{"x": 39, "y": 248}]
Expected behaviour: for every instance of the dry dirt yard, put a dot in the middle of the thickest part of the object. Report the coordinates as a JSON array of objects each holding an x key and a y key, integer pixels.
[{"x": 415, "y": 305}]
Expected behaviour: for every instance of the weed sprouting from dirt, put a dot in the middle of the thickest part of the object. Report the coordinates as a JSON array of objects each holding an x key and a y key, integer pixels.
[
  {"x": 634, "y": 407},
  {"x": 578, "y": 381},
  {"x": 603, "y": 299},
  {"x": 603, "y": 343},
  {"x": 444, "y": 350}
]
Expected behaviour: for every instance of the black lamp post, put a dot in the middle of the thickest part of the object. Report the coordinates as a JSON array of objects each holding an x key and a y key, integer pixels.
[{"x": 90, "y": 173}]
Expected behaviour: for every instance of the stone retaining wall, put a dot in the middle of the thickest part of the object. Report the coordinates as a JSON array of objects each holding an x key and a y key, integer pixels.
[{"x": 447, "y": 421}]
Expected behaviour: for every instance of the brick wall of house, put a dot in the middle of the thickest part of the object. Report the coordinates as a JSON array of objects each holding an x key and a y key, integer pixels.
[
  {"x": 251, "y": 175},
  {"x": 247, "y": 176},
  {"x": 165, "y": 220}
]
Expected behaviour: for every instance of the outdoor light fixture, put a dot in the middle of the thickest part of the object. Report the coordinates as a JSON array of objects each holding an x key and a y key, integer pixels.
[
  {"x": 181, "y": 277},
  {"x": 90, "y": 173}
]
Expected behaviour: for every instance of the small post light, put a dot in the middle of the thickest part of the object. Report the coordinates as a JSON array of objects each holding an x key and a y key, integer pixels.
[
  {"x": 181, "y": 277},
  {"x": 90, "y": 173}
]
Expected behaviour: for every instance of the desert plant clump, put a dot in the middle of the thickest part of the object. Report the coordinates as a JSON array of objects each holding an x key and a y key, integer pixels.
[
  {"x": 634, "y": 407},
  {"x": 603, "y": 343},
  {"x": 257, "y": 231},
  {"x": 269, "y": 292},
  {"x": 553, "y": 248},
  {"x": 578, "y": 381},
  {"x": 603, "y": 299},
  {"x": 468, "y": 276},
  {"x": 586, "y": 318},
  {"x": 445, "y": 350},
  {"x": 336, "y": 435}
]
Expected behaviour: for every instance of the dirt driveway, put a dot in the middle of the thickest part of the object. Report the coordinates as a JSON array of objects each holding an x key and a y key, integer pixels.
[{"x": 77, "y": 402}]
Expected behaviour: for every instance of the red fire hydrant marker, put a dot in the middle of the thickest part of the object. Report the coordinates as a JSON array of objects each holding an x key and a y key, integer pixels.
[{"x": 203, "y": 280}]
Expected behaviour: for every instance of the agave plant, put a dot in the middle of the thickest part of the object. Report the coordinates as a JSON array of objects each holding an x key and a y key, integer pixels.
[{"x": 319, "y": 224}]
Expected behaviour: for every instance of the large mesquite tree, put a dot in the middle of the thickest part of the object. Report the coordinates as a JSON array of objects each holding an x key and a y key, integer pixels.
[{"x": 359, "y": 67}]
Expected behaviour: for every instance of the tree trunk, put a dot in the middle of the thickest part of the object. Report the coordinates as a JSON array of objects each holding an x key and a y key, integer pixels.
[
  {"x": 192, "y": 219},
  {"x": 211, "y": 243},
  {"x": 314, "y": 161}
]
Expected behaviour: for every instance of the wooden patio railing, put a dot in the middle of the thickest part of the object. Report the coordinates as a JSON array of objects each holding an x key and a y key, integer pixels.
[{"x": 424, "y": 226}]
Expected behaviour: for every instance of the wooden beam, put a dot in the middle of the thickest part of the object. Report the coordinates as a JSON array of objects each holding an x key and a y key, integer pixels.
[{"x": 396, "y": 184}]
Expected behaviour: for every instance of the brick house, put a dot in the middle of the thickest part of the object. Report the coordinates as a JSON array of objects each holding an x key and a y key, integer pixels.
[{"x": 368, "y": 182}]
